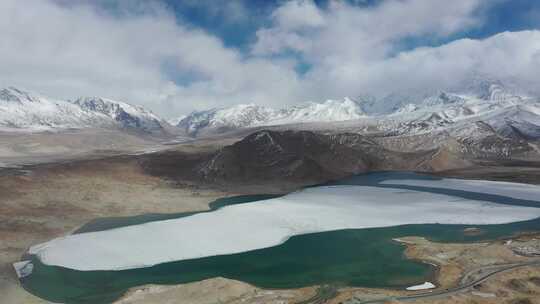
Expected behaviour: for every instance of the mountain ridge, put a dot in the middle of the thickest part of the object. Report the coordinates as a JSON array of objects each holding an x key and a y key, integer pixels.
[
  {"x": 27, "y": 111},
  {"x": 250, "y": 115},
  {"x": 391, "y": 115},
  {"x": 404, "y": 114}
]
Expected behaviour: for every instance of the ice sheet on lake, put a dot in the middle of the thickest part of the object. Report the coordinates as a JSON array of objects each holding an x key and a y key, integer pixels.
[
  {"x": 23, "y": 268},
  {"x": 244, "y": 227},
  {"x": 512, "y": 190}
]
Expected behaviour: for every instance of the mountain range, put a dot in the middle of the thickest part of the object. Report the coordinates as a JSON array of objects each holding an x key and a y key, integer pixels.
[
  {"x": 490, "y": 102},
  {"x": 251, "y": 115},
  {"x": 393, "y": 114},
  {"x": 22, "y": 110}
]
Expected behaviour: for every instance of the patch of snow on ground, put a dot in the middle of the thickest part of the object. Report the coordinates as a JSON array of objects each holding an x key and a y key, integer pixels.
[
  {"x": 426, "y": 285},
  {"x": 262, "y": 224}
]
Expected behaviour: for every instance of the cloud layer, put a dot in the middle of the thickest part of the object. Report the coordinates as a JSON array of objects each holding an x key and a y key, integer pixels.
[{"x": 146, "y": 56}]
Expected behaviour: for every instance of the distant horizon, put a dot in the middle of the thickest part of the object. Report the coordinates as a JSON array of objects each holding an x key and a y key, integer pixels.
[
  {"x": 174, "y": 57},
  {"x": 356, "y": 99}
]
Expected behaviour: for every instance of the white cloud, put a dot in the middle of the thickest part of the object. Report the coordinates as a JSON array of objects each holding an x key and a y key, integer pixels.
[
  {"x": 508, "y": 56},
  {"x": 344, "y": 31},
  {"x": 67, "y": 51},
  {"x": 150, "y": 58},
  {"x": 357, "y": 50},
  {"x": 298, "y": 15}
]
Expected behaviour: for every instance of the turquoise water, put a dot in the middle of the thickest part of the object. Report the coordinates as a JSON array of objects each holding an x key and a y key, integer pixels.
[{"x": 359, "y": 257}]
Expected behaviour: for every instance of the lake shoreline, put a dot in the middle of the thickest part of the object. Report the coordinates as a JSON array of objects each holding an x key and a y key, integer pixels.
[
  {"x": 65, "y": 182},
  {"x": 138, "y": 294}
]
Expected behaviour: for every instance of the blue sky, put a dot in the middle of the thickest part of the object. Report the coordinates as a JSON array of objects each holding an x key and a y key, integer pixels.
[
  {"x": 177, "y": 56},
  {"x": 514, "y": 15}
]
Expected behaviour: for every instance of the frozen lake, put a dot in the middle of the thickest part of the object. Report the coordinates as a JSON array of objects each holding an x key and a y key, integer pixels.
[
  {"x": 336, "y": 233},
  {"x": 268, "y": 223}
]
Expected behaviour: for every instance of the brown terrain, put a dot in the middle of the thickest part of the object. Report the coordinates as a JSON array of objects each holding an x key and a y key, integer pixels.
[{"x": 43, "y": 201}]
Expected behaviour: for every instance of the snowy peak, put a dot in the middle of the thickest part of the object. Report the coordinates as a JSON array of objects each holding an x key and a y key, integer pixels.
[
  {"x": 126, "y": 115},
  {"x": 239, "y": 116},
  {"x": 250, "y": 115},
  {"x": 481, "y": 87},
  {"x": 243, "y": 115},
  {"x": 112, "y": 108},
  {"x": 487, "y": 88},
  {"x": 443, "y": 98},
  {"x": 175, "y": 121},
  {"x": 27, "y": 111},
  {"x": 402, "y": 112},
  {"x": 498, "y": 93},
  {"x": 12, "y": 94},
  {"x": 23, "y": 110},
  {"x": 330, "y": 110}
]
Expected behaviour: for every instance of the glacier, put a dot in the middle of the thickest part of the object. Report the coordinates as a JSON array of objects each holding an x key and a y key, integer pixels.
[{"x": 508, "y": 189}]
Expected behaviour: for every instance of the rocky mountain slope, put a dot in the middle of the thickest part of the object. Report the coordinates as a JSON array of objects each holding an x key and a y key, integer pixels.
[
  {"x": 24, "y": 111},
  {"x": 270, "y": 156},
  {"x": 443, "y": 132},
  {"x": 277, "y": 157}
]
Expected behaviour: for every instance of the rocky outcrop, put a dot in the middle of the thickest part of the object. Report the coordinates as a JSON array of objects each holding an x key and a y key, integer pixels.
[{"x": 302, "y": 155}]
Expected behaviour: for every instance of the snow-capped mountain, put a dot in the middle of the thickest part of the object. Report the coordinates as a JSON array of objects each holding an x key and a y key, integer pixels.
[
  {"x": 24, "y": 110},
  {"x": 250, "y": 115},
  {"x": 474, "y": 88},
  {"x": 28, "y": 111},
  {"x": 518, "y": 121},
  {"x": 125, "y": 115},
  {"x": 176, "y": 120},
  {"x": 239, "y": 116},
  {"x": 330, "y": 110},
  {"x": 504, "y": 109},
  {"x": 446, "y": 109},
  {"x": 393, "y": 114}
]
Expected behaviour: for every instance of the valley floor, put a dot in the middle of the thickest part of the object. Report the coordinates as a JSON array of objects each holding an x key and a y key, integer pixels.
[
  {"x": 50, "y": 202},
  {"x": 45, "y": 201}
]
